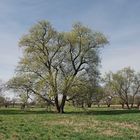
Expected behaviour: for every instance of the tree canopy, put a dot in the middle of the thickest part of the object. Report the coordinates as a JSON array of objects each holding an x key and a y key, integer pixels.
[{"x": 53, "y": 61}]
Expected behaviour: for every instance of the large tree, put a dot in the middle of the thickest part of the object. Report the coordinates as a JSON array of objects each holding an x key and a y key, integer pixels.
[{"x": 58, "y": 59}]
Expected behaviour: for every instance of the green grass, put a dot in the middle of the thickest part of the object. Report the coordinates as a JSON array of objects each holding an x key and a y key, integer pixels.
[{"x": 75, "y": 124}]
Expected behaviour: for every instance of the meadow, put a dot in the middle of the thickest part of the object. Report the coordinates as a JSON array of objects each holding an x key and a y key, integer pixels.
[{"x": 75, "y": 124}]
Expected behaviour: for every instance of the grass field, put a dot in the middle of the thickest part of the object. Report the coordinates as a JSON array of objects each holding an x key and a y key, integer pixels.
[{"x": 75, "y": 124}]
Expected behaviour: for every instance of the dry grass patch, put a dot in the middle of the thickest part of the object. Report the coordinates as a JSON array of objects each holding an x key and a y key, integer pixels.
[
  {"x": 125, "y": 125},
  {"x": 67, "y": 122},
  {"x": 130, "y": 126},
  {"x": 77, "y": 126},
  {"x": 109, "y": 132},
  {"x": 1, "y": 136}
]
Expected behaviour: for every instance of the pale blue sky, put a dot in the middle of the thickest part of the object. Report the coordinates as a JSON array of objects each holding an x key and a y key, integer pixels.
[{"x": 119, "y": 20}]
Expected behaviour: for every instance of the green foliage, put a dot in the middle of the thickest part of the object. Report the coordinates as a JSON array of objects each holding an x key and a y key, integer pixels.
[{"x": 53, "y": 61}]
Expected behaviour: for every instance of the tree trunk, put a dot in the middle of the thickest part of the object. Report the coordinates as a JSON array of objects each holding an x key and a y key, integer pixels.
[
  {"x": 122, "y": 105},
  {"x": 108, "y": 105},
  {"x": 127, "y": 104},
  {"x": 57, "y": 104},
  {"x": 89, "y": 104},
  {"x": 23, "y": 106},
  {"x": 6, "y": 106},
  {"x": 132, "y": 104},
  {"x": 73, "y": 103},
  {"x": 82, "y": 104},
  {"x": 63, "y": 104},
  {"x": 60, "y": 108},
  {"x": 133, "y": 99},
  {"x": 138, "y": 105}
]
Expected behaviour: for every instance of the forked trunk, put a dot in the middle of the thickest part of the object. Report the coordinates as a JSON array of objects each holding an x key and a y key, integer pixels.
[{"x": 60, "y": 108}]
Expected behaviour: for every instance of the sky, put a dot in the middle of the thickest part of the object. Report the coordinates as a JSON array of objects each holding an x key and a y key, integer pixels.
[{"x": 119, "y": 20}]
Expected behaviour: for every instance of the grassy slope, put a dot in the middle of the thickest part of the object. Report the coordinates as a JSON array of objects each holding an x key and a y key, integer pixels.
[{"x": 95, "y": 124}]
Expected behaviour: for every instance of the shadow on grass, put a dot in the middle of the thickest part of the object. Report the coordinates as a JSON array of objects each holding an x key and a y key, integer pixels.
[
  {"x": 105, "y": 112},
  {"x": 23, "y": 112},
  {"x": 93, "y": 112}
]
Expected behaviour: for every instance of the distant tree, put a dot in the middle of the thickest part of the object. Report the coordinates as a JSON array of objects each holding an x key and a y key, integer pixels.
[
  {"x": 93, "y": 87},
  {"x": 21, "y": 86},
  {"x": 135, "y": 89},
  {"x": 7, "y": 102},
  {"x": 14, "y": 101},
  {"x": 125, "y": 84},
  {"x": 108, "y": 94},
  {"x": 98, "y": 95},
  {"x": 2, "y": 97},
  {"x": 2, "y": 100},
  {"x": 137, "y": 101},
  {"x": 25, "y": 86}
]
